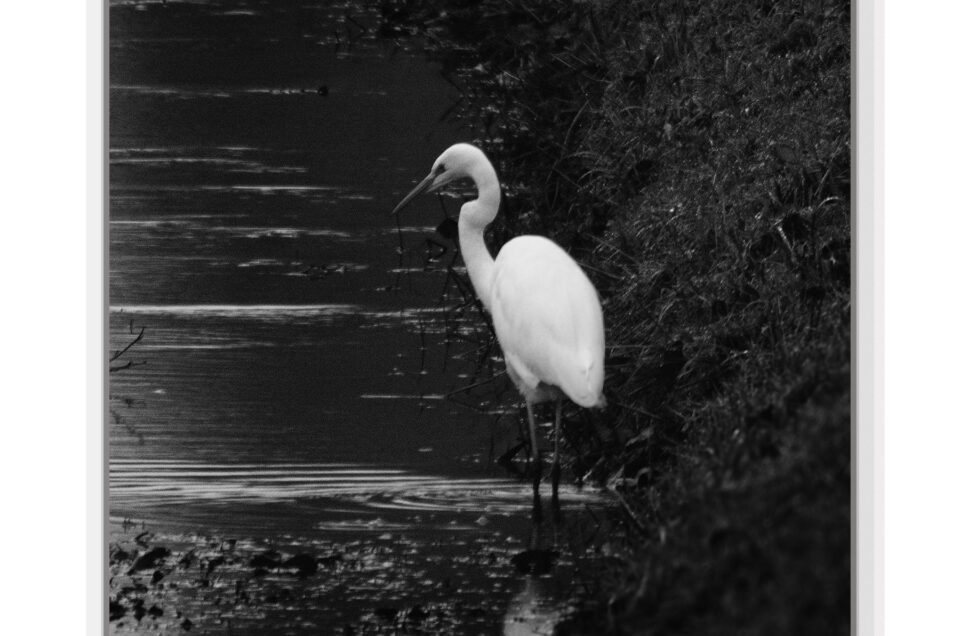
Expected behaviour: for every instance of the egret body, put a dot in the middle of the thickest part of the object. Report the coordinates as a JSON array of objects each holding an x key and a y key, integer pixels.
[{"x": 546, "y": 313}]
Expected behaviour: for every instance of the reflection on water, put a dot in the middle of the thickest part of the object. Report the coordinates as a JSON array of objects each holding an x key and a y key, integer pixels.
[
  {"x": 145, "y": 483},
  {"x": 288, "y": 391},
  {"x": 531, "y": 611},
  {"x": 272, "y": 313}
]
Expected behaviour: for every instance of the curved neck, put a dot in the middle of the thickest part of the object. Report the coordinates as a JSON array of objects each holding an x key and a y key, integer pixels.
[
  {"x": 488, "y": 190},
  {"x": 474, "y": 217},
  {"x": 476, "y": 256}
]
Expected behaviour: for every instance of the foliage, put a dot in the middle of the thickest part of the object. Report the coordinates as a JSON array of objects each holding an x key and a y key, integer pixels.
[{"x": 695, "y": 157}]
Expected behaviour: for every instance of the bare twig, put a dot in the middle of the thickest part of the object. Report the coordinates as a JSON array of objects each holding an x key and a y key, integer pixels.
[
  {"x": 636, "y": 409},
  {"x": 127, "y": 365},
  {"x": 117, "y": 355},
  {"x": 633, "y": 516},
  {"x": 470, "y": 387}
]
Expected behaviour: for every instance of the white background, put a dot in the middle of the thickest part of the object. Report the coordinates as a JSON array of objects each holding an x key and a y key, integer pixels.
[
  {"x": 46, "y": 250},
  {"x": 922, "y": 346}
]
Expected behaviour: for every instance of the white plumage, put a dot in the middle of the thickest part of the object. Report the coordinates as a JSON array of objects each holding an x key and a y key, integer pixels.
[{"x": 548, "y": 321}]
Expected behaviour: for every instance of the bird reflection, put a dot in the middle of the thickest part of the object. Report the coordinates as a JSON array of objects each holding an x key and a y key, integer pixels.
[{"x": 531, "y": 610}]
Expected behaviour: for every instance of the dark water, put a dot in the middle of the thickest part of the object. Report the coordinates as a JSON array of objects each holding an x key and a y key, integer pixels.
[{"x": 294, "y": 364}]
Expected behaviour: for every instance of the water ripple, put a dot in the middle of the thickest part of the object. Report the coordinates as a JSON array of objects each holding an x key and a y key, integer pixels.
[
  {"x": 255, "y": 312},
  {"x": 366, "y": 486}
]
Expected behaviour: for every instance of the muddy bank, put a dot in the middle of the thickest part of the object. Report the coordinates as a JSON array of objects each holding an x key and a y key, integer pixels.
[{"x": 382, "y": 578}]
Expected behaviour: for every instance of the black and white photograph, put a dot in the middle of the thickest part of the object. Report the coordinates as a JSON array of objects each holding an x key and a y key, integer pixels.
[{"x": 494, "y": 317}]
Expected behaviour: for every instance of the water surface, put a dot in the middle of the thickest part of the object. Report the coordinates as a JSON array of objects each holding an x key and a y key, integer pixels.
[{"x": 288, "y": 393}]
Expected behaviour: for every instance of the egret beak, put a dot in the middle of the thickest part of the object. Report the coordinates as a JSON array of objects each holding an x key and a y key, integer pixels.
[
  {"x": 432, "y": 182},
  {"x": 423, "y": 185}
]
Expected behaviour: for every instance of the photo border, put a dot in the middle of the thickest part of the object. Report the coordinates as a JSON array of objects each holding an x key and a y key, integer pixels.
[
  {"x": 97, "y": 162},
  {"x": 867, "y": 452},
  {"x": 867, "y": 66}
]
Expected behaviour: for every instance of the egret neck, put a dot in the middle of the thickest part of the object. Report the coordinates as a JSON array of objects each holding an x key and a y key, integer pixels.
[{"x": 474, "y": 217}]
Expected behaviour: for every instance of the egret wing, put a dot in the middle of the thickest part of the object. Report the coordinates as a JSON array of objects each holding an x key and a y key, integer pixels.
[{"x": 548, "y": 318}]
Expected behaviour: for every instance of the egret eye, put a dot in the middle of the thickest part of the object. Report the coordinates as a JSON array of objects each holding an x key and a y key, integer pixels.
[{"x": 440, "y": 169}]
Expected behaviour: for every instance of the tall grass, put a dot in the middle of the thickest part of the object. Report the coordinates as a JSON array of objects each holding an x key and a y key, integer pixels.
[{"x": 695, "y": 157}]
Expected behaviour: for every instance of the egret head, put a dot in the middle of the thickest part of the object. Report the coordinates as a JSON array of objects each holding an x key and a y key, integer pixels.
[{"x": 459, "y": 161}]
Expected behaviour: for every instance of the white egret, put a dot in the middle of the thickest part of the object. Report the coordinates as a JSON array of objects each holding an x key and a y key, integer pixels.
[{"x": 546, "y": 313}]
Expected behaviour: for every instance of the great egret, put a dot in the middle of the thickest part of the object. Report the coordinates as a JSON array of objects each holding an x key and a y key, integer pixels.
[{"x": 546, "y": 313}]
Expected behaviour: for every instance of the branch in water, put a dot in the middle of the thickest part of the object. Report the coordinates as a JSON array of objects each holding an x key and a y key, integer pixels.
[
  {"x": 127, "y": 348},
  {"x": 117, "y": 355}
]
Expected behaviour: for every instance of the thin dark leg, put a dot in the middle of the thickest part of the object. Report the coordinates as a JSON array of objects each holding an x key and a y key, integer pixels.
[
  {"x": 556, "y": 461},
  {"x": 537, "y": 466}
]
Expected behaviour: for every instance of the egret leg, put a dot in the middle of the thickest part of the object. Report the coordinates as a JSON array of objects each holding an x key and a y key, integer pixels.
[
  {"x": 532, "y": 423},
  {"x": 556, "y": 459},
  {"x": 537, "y": 467}
]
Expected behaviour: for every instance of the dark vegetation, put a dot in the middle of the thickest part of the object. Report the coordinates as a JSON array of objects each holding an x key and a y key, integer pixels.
[{"x": 695, "y": 158}]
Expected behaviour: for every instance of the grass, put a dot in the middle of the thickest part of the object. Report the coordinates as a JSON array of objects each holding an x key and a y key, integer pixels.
[{"x": 695, "y": 157}]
